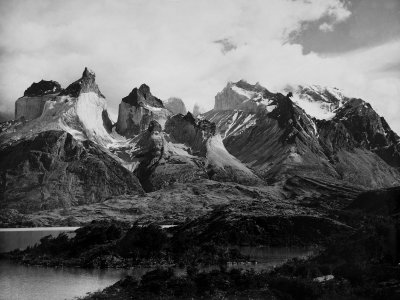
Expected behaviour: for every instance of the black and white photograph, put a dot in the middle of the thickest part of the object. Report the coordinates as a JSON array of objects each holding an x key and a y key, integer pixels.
[{"x": 199, "y": 149}]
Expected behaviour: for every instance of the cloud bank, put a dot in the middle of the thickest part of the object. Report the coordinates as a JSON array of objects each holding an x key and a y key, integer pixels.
[{"x": 185, "y": 48}]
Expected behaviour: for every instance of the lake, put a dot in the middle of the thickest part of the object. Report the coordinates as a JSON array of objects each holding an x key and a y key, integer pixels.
[{"x": 22, "y": 282}]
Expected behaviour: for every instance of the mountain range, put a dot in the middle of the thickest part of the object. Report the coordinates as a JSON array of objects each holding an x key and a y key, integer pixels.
[{"x": 303, "y": 152}]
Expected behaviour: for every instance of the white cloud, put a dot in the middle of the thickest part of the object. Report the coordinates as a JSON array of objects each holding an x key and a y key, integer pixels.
[
  {"x": 326, "y": 27},
  {"x": 170, "y": 45}
]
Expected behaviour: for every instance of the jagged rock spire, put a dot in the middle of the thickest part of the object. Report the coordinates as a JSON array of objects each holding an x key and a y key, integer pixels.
[
  {"x": 87, "y": 83},
  {"x": 142, "y": 96},
  {"x": 87, "y": 73},
  {"x": 138, "y": 109}
]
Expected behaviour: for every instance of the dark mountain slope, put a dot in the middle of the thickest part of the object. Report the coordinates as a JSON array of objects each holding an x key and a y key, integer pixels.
[
  {"x": 53, "y": 170},
  {"x": 280, "y": 139}
]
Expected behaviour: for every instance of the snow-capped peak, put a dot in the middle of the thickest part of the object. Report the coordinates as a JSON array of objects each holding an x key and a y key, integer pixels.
[
  {"x": 317, "y": 101},
  {"x": 88, "y": 71},
  {"x": 243, "y": 96}
]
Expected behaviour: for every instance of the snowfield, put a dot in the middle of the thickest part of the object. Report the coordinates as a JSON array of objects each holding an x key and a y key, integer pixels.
[
  {"x": 219, "y": 157},
  {"x": 81, "y": 117},
  {"x": 330, "y": 100}
]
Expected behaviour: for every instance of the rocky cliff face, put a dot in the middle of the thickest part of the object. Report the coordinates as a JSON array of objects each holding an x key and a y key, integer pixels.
[
  {"x": 163, "y": 163},
  {"x": 31, "y": 105},
  {"x": 137, "y": 110},
  {"x": 186, "y": 130},
  {"x": 53, "y": 170},
  {"x": 230, "y": 98},
  {"x": 175, "y": 106},
  {"x": 244, "y": 96},
  {"x": 369, "y": 130}
]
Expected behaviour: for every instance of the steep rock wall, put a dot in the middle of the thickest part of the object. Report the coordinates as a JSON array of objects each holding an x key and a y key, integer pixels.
[
  {"x": 53, "y": 170},
  {"x": 30, "y": 107},
  {"x": 137, "y": 110}
]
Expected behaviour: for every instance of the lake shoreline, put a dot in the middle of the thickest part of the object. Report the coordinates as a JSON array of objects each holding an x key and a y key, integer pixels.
[
  {"x": 14, "y": 229},
  {"x": 354, "y": 260},
  {"x": 106, "y": 247},
  {"x": 355, "y": 265}
]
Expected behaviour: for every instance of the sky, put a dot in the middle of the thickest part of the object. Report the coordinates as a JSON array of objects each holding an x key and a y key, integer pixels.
[{"x": 190, "y": 49}]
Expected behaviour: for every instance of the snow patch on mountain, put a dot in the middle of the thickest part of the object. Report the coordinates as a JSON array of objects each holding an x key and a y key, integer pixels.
[
  {"x": 152, "y": 108},
  {"x": 81, "y": 117},
  {"x": 317, "y": 110},
  {"x": 317, "y": 101},
  {"x": 179, "y": 149},
  {"x": 89, "y": 109},
  {"x": 219, "y": 157},
  {"x": 243, "y": 92},
  {"x": 230, "y": 123},
  {"x": 239, "y": 126}
]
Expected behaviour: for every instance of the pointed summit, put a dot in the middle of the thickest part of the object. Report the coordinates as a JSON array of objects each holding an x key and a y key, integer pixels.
[
  {"x": 141, "y": 97},
  {"x": 138, "y": 109},
  {"x": 145, "y": 89},
  {"x": 88, "y": 73},
  {"x": 86, "y": 84}
]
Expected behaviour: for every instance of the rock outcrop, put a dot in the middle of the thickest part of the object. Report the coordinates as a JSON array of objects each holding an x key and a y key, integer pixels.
[
  {"x": 43, "y": 87},
  {"x": 53, "y": 170},
  {"x": 187, "y": 130},
  {"x": 137, "y": 110},
  {"x": 31, "y": 105},
  {"x": 241, "y": 95},
  {"x": 162, "y": 163},
  {"x": 175, "y": 106},
  {"x": 228, "y": 98},
  {"x": 87, "y": 83}
]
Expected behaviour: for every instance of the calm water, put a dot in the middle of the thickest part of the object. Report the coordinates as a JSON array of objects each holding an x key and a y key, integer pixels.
[
  {"x": 34, "y": 282},
  {"x": 21, "y": 282}
]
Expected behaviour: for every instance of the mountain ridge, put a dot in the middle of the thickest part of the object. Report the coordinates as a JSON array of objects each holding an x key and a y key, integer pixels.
[
  {"x": 252, "y": 138},
  {"x": 292, "y": 139}
]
